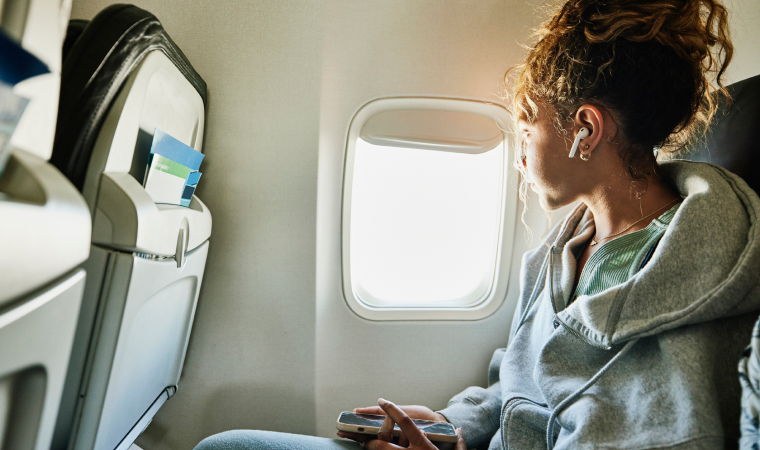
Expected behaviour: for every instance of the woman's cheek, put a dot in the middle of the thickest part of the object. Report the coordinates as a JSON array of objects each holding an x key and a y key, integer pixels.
[{"x": 533, "y": 169}]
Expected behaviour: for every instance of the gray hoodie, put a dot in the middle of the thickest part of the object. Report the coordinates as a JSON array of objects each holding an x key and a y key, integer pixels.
[{"x": 650, "y": 363}]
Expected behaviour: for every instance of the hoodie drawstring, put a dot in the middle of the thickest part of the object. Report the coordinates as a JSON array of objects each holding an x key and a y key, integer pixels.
[{"x": 574, "y": 396}]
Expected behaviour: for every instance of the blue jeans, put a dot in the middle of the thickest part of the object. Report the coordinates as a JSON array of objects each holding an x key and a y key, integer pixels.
[{"x": 270, "y": 440}]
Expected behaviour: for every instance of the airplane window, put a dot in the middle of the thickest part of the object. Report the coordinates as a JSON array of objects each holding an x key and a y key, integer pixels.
[
  {"x": 424, "y": 226},
  {"x": 429, "y": 203}
]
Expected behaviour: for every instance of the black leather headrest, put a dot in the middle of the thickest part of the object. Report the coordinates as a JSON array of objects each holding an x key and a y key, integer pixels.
[
  {"x": 732, "y": 141},
  {"x": 96, "y": 66},
  {"x": 73, "y": 31}
]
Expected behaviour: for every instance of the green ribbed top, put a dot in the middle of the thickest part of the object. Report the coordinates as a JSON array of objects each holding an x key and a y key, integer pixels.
[{"x": 619, "y": 259}]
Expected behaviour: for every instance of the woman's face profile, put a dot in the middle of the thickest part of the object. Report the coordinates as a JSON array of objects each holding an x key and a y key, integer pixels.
[{"x": 549, "y": 171}]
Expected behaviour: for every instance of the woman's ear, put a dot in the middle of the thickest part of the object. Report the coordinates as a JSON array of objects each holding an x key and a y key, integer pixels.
[{"x": 590, "y": 117}]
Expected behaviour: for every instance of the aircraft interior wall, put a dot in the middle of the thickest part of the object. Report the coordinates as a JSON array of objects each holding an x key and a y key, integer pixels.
[{"x": 274, "y": 345}]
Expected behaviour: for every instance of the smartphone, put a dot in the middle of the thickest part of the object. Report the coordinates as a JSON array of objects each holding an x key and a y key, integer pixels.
[{"x": 371, "y": 423}]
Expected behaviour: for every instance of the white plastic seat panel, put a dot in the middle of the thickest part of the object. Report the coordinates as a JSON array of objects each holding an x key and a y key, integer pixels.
[
  {"x": 156, "y": 95},
  {"x": 36, "y": 336},
  {"x": 148, "y": 309},
  {"x": 127, "y": 218},
  {"x": 46, "y": 226},
  {"x": 142, "y": 424},
  {"x": 95, "y": 267}
]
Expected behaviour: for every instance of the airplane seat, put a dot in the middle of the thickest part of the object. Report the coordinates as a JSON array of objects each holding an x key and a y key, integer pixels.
[
  {"x": 122, "y": 79},
  {"x": 45, "y": 228},
  {"x": 732, "y": 140}
]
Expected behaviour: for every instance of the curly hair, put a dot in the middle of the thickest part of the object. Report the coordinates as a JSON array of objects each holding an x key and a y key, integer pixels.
[{"x": 650, "y": 62}]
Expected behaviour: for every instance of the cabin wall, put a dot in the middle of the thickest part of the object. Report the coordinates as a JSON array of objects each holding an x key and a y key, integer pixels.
[
  {"x": 401, "y": 48},
  {"x": 274, "y": 345},
  {"x": 744, "y": 17}
]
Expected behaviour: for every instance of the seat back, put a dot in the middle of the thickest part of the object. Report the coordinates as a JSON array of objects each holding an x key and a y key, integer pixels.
[
  {"x": 734, "y": 134},
  {"x": 97, "y": 67},
  {"x": 123, "y": 78}
]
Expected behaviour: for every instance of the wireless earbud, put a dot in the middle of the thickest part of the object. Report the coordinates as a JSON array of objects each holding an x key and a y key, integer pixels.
[{"x": 582, "y": 133}]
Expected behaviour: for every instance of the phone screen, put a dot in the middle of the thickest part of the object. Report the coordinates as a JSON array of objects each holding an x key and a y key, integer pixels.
[{"x": 372, "y": 420}]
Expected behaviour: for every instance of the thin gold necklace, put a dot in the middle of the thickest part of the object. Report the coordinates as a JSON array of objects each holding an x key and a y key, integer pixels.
[{"x": 594, "y": 242}]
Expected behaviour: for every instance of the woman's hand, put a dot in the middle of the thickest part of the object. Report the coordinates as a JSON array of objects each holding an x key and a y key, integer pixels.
[
  {"x": 411, "y": 436},
  {"x": 413, "y": 411}
]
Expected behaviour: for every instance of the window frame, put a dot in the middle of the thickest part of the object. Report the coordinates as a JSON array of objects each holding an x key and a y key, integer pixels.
[{"x": 497, "y": 293}]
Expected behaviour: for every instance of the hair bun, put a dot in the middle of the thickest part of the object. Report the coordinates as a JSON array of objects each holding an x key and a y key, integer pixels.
[{"x": 689, "y": 27}]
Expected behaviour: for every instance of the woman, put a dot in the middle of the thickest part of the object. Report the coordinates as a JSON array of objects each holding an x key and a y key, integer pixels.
[{"x": 635, "y": 310}]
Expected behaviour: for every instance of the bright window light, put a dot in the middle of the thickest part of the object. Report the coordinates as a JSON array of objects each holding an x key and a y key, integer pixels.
[{"x": 424, "y": 225}]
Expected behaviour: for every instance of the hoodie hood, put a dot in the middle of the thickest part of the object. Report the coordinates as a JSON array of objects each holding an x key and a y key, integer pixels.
[{"x": 706, "y": 266}]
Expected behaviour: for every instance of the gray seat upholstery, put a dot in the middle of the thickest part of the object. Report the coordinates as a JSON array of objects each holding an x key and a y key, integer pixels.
[{"x": 732, "y": 141}]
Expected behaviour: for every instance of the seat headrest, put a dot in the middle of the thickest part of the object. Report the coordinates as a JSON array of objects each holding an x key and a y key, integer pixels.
[
  {"x": 73, "y": 31},
  {"x": 109, "y": 48},
  {"x": 734, "y": 135}
]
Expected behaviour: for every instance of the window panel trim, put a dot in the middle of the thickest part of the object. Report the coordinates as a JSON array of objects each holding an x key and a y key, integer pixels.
[{"x": 496, "y": 295}]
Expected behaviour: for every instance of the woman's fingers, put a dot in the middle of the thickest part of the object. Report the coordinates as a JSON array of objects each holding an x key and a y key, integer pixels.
[
  {"x": 358, "y": 437},
  {"x": 413, "y": 411},
  {"x": 411, "y": 437},
  {"x": 370, "y": 410},
  {"x": 377, "y": 444},
  {"x": 402, "y": 440},
  {"x": 461, "y": 444},
  {"x": 386, "y": 430},
  {"x": 416, "y": 437}
]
